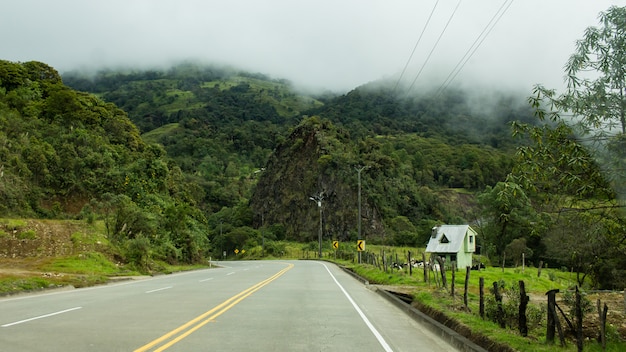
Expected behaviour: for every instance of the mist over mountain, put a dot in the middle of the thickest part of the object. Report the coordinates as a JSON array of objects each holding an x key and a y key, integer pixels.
[{"x": 221, "y": 126}]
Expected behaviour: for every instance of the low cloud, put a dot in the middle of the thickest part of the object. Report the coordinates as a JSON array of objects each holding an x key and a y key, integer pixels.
[{"x": 335, "y": 45}]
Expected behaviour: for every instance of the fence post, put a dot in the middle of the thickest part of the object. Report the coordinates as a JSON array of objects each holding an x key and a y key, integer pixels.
[
  {"x": 442, "y": 271},
  {"x": 522, "y": 322},
  {"x": 551, "y": 315},
  {"x": 579, "y": 321},
  {"x": 467, "y": 277},
  {"x": 602, "y": 317},
  {"x": 500, "y": 313},
  {"x": 481, "y": 304},
  {"x": 453, "y": 279},
  {"x": 410, "y": 266},
  {"x": 426, "y": 273},
  {"x": 384, "y": 260}
]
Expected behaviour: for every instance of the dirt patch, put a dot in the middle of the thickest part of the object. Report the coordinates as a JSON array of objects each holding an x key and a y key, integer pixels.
[{"x": 41, "y": 238}]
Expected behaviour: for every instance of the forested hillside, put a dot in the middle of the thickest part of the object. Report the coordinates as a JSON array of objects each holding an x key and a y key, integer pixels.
[
  {"x": 227, "y": 130},
  {"x": 67, "y": 154}
]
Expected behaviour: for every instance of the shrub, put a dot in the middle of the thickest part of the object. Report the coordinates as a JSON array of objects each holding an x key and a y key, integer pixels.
[
  {"x": 510, "y": 306},
  {"x": 27, "y": 235}
]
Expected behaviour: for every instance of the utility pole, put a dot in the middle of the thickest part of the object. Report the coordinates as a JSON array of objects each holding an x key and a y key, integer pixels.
[
  {"x": 358, "y": 170},
  {"x": 318, "y": 199},
  {"x": 262, "y": 235}
]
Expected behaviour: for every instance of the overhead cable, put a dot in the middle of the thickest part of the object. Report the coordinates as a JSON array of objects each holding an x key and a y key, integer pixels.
[
  {"x": 415, "y": 47},
  {"x": 434, "y": 47},
  {"x": 472, "y": 49}
]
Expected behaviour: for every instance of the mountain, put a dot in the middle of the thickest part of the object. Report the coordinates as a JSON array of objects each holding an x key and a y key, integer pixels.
[{"x": 426, "y": 154}]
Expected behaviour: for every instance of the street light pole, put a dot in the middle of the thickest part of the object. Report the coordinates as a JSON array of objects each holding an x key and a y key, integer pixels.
[{"x": 318, "y": 198}]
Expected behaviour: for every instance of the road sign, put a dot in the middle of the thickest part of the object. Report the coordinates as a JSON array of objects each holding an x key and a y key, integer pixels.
[
  {"x": 236, "y": 251},
  {"x": 360, "y": 245},
  {"x": 336, "y": 244}
]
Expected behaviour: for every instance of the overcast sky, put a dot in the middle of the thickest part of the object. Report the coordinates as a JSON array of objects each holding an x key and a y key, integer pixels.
[{"x": 330, "y": 44}]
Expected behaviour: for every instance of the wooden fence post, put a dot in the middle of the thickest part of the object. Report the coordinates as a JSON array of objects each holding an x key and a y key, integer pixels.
[
  {"x": 424, "y": 266},
  {"x": 551, "y": 315},
  {"x": 384, "y": 260},
  {"x": 602, "y": 317},
  {"x": 442, "y": 271},
  {"x": 500, "y": 313},
  {"x": 481, "y": 304},
  {"x": 579, "y": 321},
  {"x": 522, "y": 322},
  {"x": 553, "y": 319},
  {"x": 453, "y": 279},
  {"x": 409, "y": 263},
  {"x": 467, "y": 277}
]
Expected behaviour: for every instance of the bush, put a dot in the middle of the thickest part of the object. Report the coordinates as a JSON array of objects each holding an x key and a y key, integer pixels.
[
  {"x": 27, "y": 235},
  {"x": 138, "y": 251},
  {"x": 510, "y": 306},
  {"x": 276, "y": 249}
]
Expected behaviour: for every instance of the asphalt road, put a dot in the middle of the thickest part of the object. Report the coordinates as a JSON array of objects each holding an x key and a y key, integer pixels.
[{"x": 242, "y": 306}]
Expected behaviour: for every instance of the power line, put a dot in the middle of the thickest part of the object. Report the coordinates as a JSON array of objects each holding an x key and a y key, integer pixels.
[
  {"x": 434, "y": 47},
  {"x": 415, "y": 47},
  {"x": 470, "y": 52}
]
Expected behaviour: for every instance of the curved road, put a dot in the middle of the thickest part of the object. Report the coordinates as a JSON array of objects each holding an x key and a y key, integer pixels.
[{"x": 241, "y": 306}]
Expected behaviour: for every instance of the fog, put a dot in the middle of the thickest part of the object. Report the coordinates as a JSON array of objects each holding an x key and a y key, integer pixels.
[{"x": 323, "y": 44}]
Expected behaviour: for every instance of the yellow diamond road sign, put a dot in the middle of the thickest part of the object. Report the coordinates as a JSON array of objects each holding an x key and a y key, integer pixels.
[{"x": 360, "y": 245}]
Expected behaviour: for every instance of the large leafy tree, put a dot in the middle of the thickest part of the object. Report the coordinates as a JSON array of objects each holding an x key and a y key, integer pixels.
[{"x": 573, "y": 163}]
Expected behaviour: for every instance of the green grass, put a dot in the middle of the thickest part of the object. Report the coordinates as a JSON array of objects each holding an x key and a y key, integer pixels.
[
  {"x": 13, "y": 224},
  {"x": 154, "y": 135},
  {"x": 17, "y": 284},
  {"x": 430, "y": 295},
  {"x": 278, "y": 94},
  {"x": 85, "y": 263}
]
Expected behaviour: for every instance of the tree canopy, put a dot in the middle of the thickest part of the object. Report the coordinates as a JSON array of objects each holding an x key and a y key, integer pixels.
[{"x": 572, "y": 167}]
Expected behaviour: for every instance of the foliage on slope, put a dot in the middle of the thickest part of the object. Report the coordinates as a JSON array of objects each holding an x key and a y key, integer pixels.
[
  {"x": 222, "y": 127},
  {"x": 65, "y": 153}
]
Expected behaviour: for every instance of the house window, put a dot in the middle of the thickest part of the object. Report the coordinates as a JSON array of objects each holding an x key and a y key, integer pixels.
[
  {"x": 444, "y": 239},
  {"x": 471, "y": 239}
]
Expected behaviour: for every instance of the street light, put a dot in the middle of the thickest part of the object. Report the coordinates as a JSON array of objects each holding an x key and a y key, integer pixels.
[{"x": 318, "y": 198}]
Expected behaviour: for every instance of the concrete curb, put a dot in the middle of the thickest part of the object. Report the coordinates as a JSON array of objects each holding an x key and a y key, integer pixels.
[{"x": 452, "y": 337}]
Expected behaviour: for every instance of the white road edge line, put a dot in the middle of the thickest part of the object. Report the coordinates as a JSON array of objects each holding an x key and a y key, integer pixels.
[
  {"x": 230, "y": 273},
  {"x": 379, "y": 337},
  {"x": 40, "y": 317},
  {"x": 205, "y": 279},
  {"x": 160, "y": 289}
]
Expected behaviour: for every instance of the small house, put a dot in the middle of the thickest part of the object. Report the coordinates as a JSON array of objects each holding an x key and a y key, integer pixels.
[{"x": 455, "y": 243}]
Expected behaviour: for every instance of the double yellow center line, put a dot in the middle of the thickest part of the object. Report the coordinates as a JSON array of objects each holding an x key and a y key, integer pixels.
[{"x": 174, "y": 336}]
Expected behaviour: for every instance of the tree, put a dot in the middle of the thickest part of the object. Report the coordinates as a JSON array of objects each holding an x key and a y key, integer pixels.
[
  {"x": 599, "y": 99},
  {"x": 574, "y": 160},
  {"x": 594, "y": 103},
  {"x": 508, "y": 215}
]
